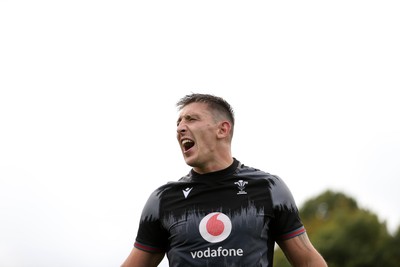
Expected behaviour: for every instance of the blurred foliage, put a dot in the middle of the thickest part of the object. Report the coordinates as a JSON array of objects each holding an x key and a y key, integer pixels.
[{"x": 346, "y": 235}]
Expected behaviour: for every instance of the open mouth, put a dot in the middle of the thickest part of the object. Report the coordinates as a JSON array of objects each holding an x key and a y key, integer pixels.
[{"x": 187, "y": 144}]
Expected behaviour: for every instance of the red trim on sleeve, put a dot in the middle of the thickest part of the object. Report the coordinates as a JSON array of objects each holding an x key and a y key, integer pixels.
[
  {"x": 147, "y": 248},
  {"x": 294, "y": 233}
]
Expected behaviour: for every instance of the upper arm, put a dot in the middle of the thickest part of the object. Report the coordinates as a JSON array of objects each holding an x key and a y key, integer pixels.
[
  {"x": 300, "y": 252},
  {"x": 140, "y": 258}
]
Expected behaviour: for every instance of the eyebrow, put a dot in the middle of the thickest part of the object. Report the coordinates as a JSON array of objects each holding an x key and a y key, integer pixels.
[{"x": 187, "y": 116}]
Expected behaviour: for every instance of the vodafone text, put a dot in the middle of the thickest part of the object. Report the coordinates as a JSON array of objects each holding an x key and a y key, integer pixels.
[{"x": 213, "y": 253}]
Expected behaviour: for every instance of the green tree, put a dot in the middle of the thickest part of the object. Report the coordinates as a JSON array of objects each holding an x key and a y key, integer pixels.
[
  {"x": 346, "y": 235},
  {"x": 390, "y": 251}
]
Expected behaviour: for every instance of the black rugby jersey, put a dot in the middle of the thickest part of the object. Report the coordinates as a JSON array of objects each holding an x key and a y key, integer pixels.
[{"x": 226, "y": 218}]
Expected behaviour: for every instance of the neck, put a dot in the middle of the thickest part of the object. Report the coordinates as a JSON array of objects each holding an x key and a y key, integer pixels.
[{"x": 213, "y": 166}]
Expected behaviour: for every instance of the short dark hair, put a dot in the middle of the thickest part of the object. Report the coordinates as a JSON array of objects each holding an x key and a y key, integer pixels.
[{"x": 214, "y": 102}]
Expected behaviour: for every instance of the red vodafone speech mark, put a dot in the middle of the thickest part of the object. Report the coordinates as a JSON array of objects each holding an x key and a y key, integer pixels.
[{"x": 215, "y": 227}]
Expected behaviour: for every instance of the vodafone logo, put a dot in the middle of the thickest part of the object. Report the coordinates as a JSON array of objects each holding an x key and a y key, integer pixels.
[{"x": 215, "y": 227}]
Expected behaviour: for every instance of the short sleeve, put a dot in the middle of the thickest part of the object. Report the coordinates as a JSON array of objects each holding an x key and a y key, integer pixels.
[
  {"x": 287, "y": 223},
  {"x": 151, "y": 236}
]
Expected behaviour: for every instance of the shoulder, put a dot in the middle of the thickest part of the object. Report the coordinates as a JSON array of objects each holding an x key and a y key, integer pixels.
[
  {"x": 163, "y": 189},
  {"x": 255, "y": 173},
  {"x": 151, "y": 209},
  {"x": 280, "y": 192}
]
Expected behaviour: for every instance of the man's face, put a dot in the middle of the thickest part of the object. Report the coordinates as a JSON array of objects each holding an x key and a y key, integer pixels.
[{"x": 197, "y": 134}]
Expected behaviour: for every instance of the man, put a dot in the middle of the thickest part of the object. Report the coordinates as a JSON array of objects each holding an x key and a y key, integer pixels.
[{"x": 223, "y": 213}]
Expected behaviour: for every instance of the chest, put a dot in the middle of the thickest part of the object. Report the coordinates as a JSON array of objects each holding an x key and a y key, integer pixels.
[{"x": 213, "y": 212}]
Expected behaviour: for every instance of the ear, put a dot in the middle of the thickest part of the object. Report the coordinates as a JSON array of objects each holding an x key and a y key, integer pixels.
[{"x": 224, "y": 129}]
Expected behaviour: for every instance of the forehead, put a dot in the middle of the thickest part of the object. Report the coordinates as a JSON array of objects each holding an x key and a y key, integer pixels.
[{"x": 198, "y": 109}]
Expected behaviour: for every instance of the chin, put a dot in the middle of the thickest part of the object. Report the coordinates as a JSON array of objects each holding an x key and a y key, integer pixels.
[{"x": 190, "y": 161}]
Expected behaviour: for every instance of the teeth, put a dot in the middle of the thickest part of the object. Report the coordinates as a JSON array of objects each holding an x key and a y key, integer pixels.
[{"x": 186, "y": 141}]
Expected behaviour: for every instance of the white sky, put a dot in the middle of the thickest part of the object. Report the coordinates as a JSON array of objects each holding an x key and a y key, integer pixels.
[{"x": 87, "y": 110}]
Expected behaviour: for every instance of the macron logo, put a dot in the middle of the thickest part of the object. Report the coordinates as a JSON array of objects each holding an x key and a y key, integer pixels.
[{"x": 187, "y": 191}]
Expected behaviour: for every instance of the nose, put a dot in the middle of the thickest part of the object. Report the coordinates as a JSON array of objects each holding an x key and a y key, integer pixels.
[{"x": 181, "y": 128}]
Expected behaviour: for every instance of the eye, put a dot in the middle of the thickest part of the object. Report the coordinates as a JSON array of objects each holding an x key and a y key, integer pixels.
[
  {"x": 187, "y": 118},
  {"x": 190, "y": 118}
]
